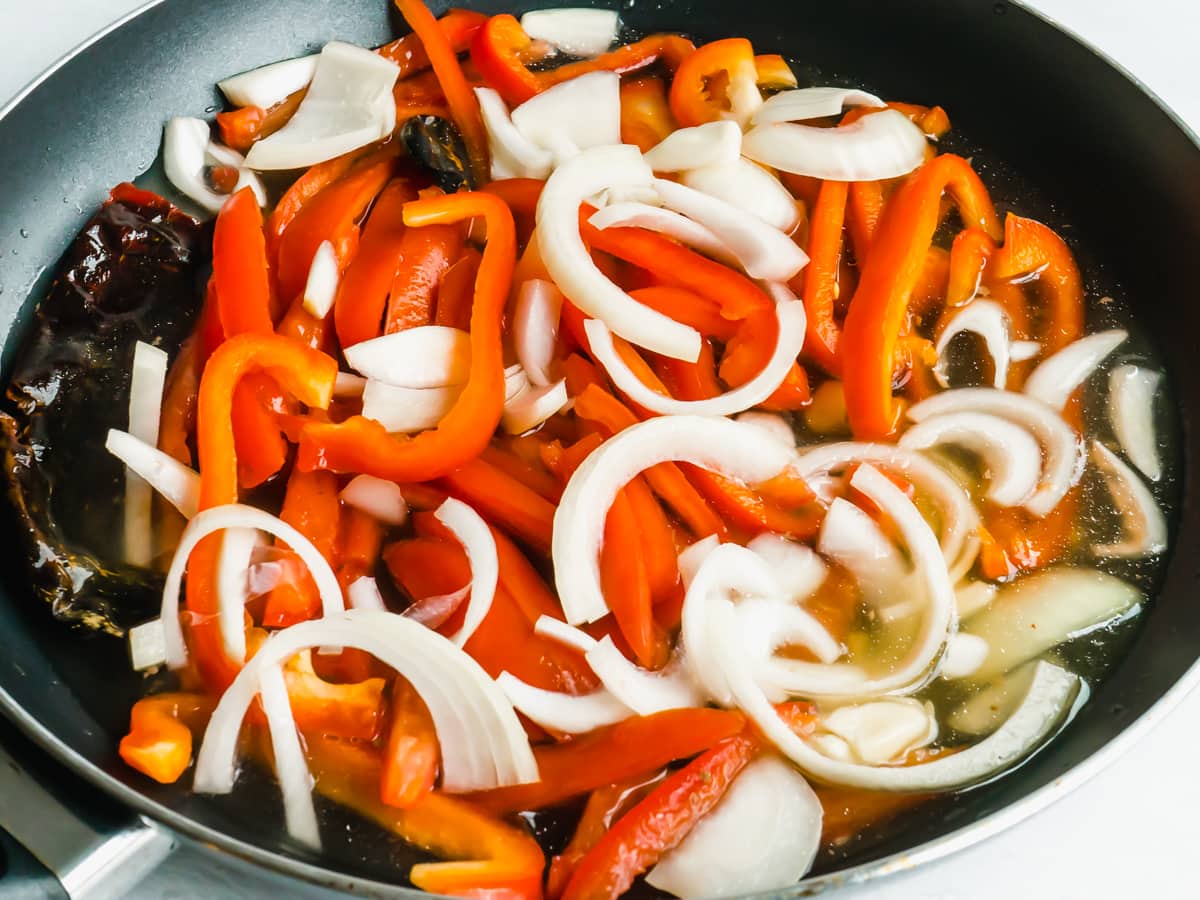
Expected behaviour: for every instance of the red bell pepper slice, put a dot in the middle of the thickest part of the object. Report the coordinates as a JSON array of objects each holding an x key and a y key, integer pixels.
[
  {"x": 456, "y": 291},
  {"x": 694, "y": 95},
  {"x": 1030, "y": 247},
  {"x": 821, "y": 275},
  {"x": 261, "y": 446},
  {"x": 645, "y": 113},
  {"x": 626, "y": 586},
  {"x": 426, "y": 254},
  {"x": 497, "y": 50},
  {"x": 360, "y": 540},
  {"x": 312, "y": 507},
  {"x": 241, "y": 128},
  {"x": 240, "y": 274},
  {"x": 503, "y": 500},
  {"x": 668, "y": 49},
  {"x": 159, "y": 742},
  {"x": 459, "y": 26},
  {"x": 410, "y": 759}
]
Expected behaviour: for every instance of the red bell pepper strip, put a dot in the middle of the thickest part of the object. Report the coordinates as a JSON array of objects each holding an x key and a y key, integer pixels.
[
  {"x": 459, "y": 26},
  {"x": 670, "y": 50},
  {"x": 410, "y": 759},
  {"x": 863, "y": 213},
  {"x": 304, "y": 373},
  {"x": 241, "y": 128},
  {"x": 754, "y": 509},
  {"x": 504, "y": 500},
  {"x": 693, "y": 95},
  {"x": 301, "y": 325},
  {"x": 521, "y": 194},
  {"x": 659, "y": 552},
  {"x": 240, "y": 274},
  {"x": 645, "y": 113},
  {"x": 360, "y": 539},
  {"x": 456, "y": 291},
  {"x": 425, "y": 256},
  {"x": 690, "y": 381},
  {"x": 159, "y": 742},
  {"x": 686, "y": 306},
  {"x": 443, "y": 57},
  {"x": 179, "y": 400},
  {"x": 537, "y": 479},
  {"x": 260, "y": 444},
  {"x": 362, "y": 445},
  {"x": 627, "y": 588},
  {"x": 749, "y": 351},
  {"x": 1030, "y": 247},
  {"x": 637, "y": 746},
  {"x": 497, "y": 51},
  {"x": 880, "y": 304},
  {"x": 821, "y": 276},
  {"x": 312, "y": 507},
  {"x": 969, "y": 255}
]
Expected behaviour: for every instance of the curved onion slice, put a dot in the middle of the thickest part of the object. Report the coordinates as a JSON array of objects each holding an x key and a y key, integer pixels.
[
  {"x": 428, "y": 356},
  {"x": 238, "y": 546},
  {"x": 407, "y": 410},
  {"x": 515, "y": 381},
  {"x": 972, "y": 596},
  {"x": 811, "y": 103},
  {"x": 147, "y": 645},
  {"x": 577, "y": 31},
  {"x": 567, "y": 635},
  {"x": 762, "y": 836},
  {"x": 772, "y": 423},
  {"x": 643, "y": 692},
  {"x": 719, "y": 445},
  {"x": 235, "y": 515},
  {"x": 167, "y": 475},
  {"x": 574, "y": 115},
  {"x": 789, "y": 340},
  {"x": 710, "y": 144},
  {"x": 884, "y": 730},
  {"x": 571, "y": 267},
  {"x": 987, "y": 319},
  {"x": 433, "y": 612},
  {"x": 664, "y": 221},
  {"x": 349, "y": 104},
  {"x": 480, "y": 545},
  {"x": 1021, "y": 351},
  {"x": 764, "y": 251},
  {"x": 852, "y": 539},
  {"x": 1029, "y": 615},
  {"x": 797, "y": 569},
  {"x": 959, "y": 518},
  {"x": 188, "y": 149},
  {"x": 322, "y": 284},
  {"x": 363, "y": 593},
  {"x": 535, "y": 328},
  {"x": 482, "y": 743},
  {"x": 268, "y": 85},
  {"x": 882, "y": 145},
  {"x": 985, "y": 711},
  {"x": 768, "y": 624},
  {"x": 347, "y": 385},
  {"x": 147, "y": 381},
  {"x": 692, "y": 557},
  {"x": 937, "y": 622},
  {"x": 291, "y": 768},
  {"x": 565, "y": 713},
  {"x": 1131, "y": 391},
  {"x": 532, "y": 406},
  {"x": 382, "y": 500},
  {"x": 1062, "y": 460},
  {"x": 1143, "y": 521},
  {"x": 964, "y": 655},
  {"x": 1054, "y": 380},
  {"x": 1012, "y": 458},
  {"x": 748, "y": 187},
  {"x": 513, "y": 154}
]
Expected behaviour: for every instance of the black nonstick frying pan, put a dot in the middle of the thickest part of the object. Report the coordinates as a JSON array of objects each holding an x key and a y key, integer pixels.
[{"x": 1105, "y": 158}]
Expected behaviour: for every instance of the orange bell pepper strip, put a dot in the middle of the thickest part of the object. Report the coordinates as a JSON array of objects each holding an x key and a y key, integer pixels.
[
  {"x": 456, "y": 291},
  {"x": 690, "y": 381},
  {"x": 363, "y": 445},
  {"x": 351, "y": 711},
  {"x": 312, "y": 507},
  {"x": 969, "y": 255},
  {"x": 240, "y": 128},
  {"x": 306, "y": 374},
  {"x": 627, "y": 588},
  {"x": 659, "y": 552},
  {"x": 880, "y": 304},
  {"x": 362, "y": 294},
  {"x": 754, "y": 510},
  {"x": 459, "y": 26},
  {"x": 159, "y": 742},
  {"x": 645, "y": 113},
  {"x": 410, "y": 759},
  {"x": 669, "y": 50},
  {"x": 820, "y": 276},
  {"x": 425, "y": 256},
  {"x": 694, "y": 99},
  {"x": 636, "y": 746},
  {"x": 240, "y": 274},
  {"x": 521, "y": 194},
  {"x": 443, "y": 57},
  {"x": 749, "y": 351},
  {"x": 489, "y": 857},
  {"x": 864, "y": 210},
  {"x": 1031, "y": 247},
  {"x": 523, "y": 582},
  {"x": 504, "y": 500},
  {"x": 537, "y": 480},
  {"x": 688, "y": 307},
  {"x": 773, "y": 72},
  {"x": 932, "y": 120},
  {"x": 929, "y": 293}
]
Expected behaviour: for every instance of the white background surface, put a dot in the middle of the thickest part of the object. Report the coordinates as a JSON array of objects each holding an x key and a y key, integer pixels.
[{"x": 1131, "y": 832}]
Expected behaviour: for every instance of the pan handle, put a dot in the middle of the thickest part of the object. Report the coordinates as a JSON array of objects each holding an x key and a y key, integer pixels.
[{"x": 90, "y": 848}]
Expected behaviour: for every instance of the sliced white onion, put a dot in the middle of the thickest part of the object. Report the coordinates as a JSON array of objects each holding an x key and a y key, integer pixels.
[
  {"x": 885, "y": 730},
  {"x": 567, "y": 635},
  {"x": 513, "y": 155},
  {"x": 710, "y": 144},
  {"x": 348, "y": 385},
  {"x": 1060, "y": 446},
  {"x": 772, "y": 423},
  {"x": 188, "y": 150},
  {"x": 535, "y": 328},
  {"x": 1011, "y": 457},
  {"x": 579, "y": 32},
  {"x": 852, "y": 539},
  {"x": 482, "y": 743},
  {"x": 532, "y": 406},
  {"x": 644, "y": 692},
  {"x": 985, "y": 711},
  {"x": 1142, "y": 520},
  {"x": 480, "y": 545},
  {"x": 363, "y": 593},
  {"x": 797, "y": 569},
  {"x": 428, "y": 356},
  {"x": 762, "y": 836},
  {"x": 434, "y": 611},
  {"x": 987, "y": 319},
  {"x": 382, "y": 500},
  {"x": 692, "y": 557},
  {"x": 964, "y": 655},
  {"x": 574, "y": 115},
  {"x": 768, "y": 624},
  {"x": 147, "y": 381},
  {"x": 235, "y": 515},
  {"x": 1039, "y": 611},
  {"x": 571, "y": 267},
  {"x": 407, "y": 410},
  {"x": 238, "y": 548},
  {"x": 322, "y": 284},
  {"x": 1131, "y": 393},
  {"x": 1054, "y": 380},
  {"x": 789, "y": 340},
  {"x": 748, "y": 187},
  {"x": 1022, "y": 351},
  {"x": 664, "y": 221},
  {"x": 764, "y": 251},
  {"x": 147, "y": 645},
  {"x": 349, "y": 104},
  {"x": 179, "y": 484},
  {"x": 269, "y": 85},
  {"x": 719, "y": 445},
  {"x": 811, "y": 103},
  {"x": 882, "y": 145},
  {"x": 565, "y": 713},
  {"x": 291, "y": 767},
  {"x": 973, "y": 596}
]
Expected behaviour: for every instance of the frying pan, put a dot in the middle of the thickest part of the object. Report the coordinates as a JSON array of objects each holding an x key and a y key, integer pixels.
[{"x": 1106, "y": 158}]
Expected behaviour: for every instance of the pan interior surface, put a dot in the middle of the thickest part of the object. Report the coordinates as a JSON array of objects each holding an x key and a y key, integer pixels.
[{"x": 1040, "y": 109}]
